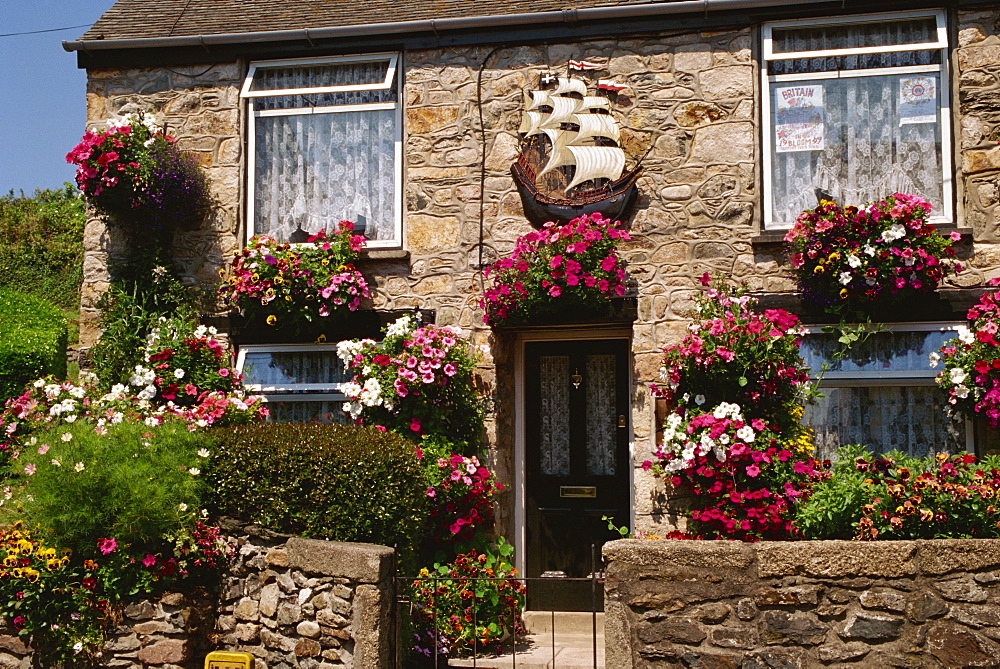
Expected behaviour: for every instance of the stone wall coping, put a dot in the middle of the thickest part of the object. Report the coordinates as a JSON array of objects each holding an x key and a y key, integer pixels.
[
  {"x": 817, "y": 559},
  {"x": 361, "y": 563}
]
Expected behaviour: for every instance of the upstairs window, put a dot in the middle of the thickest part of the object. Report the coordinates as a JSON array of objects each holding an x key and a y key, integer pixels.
[
  {"x": 324, "y": 146},
  {"x": 855, "y": 109}
]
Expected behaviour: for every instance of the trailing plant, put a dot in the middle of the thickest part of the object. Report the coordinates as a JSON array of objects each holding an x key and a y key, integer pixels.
[
  {"x": 469, "y": 604},
  {"x": 833, "y": 507},
  {"x": 42, "y": 253},
  {"x": 733, "y": 439},
  {"x": 845, "y": 258},
  {"x": 305, "y": 479},
  {"x": 132, "y": 170},
  {"x": 418, "y": 381},
  {"x": 460, "y": 493},
  {"x": 295, "y": 284},
  {"x": 575, "y": 265},
  {"x": 33, "y": 339},
  {"x": 971, "y": 374}
]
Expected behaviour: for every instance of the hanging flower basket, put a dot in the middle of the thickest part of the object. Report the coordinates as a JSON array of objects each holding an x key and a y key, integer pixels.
[
  {"x": 134, "y": 172},
  {"x": 559, "y": 269},
  {"x": 847, "y": 259},
  {"x": 297, "y": 286}
]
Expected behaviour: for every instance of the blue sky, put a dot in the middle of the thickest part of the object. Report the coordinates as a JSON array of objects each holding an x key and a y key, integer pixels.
[{"x": 42, "y": 93}]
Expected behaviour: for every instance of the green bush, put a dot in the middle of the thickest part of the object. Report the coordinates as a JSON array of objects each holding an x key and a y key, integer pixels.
[
  {"x": 33, "y": 336},
  {"x": 334, "y": 482},
  {"x": 129, "y": 482},
  {"x": 42, "y": 253},
  {"x": 833, "y": 508}
]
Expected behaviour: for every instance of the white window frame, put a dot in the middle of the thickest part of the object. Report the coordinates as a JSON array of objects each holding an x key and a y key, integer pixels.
[
  {"x": 911, "y": 378},
  {"x": 292, "y": 392},
  {"x": 767, "y": 55},
  {"x": 390, "y": 80}
]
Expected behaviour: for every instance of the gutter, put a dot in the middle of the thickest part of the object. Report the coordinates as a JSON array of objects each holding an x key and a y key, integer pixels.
[{"x": 566, "y": 16}]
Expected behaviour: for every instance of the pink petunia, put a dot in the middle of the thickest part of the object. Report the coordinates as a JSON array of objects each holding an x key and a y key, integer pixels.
[{"x": 106, "y": 546}]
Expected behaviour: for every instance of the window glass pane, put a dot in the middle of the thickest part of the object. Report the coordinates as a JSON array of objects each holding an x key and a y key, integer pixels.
[
  {"x": 312, "y": 171},
  {"x": 854, "y": 140},
  {"x": 854, "y": 35},
  {"x": 904, "y": 418},
  {"x": 314, "y": 76},
  {"x": 307, "y": 412},
  {"x": 272, "y": 369},
  {"x": 861, "y": 61},
  {"x": 881, "y": 352}
]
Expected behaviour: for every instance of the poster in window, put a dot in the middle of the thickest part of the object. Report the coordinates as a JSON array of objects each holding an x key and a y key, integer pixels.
[
  {"x": 917, "y": 100},
  {"x": 799, "y": 119}
]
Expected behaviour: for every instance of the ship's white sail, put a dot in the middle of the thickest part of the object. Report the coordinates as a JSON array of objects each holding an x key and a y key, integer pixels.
[
  {"x": 596, "y": 162},
  {"x": 580, "y": 131}
]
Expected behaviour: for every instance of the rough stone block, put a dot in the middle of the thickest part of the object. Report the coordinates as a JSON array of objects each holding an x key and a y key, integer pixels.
[
  {"x": 363, "y": 563},
  {"x": 871, "y": 627},
  {"x": 173, "y": 651},
  {"x": 826, "y": 559}
]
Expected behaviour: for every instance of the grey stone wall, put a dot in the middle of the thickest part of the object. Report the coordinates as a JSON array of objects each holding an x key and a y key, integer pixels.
[
  {"x": 692, "y": 109},
  {"x": 292, "y": 603},
  {"x": 802, "y": 604}
]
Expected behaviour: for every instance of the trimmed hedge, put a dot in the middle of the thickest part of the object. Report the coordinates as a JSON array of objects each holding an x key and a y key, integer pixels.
[
  {"x": 334, "y": 482},
  {"x": 33, "y": 337}
]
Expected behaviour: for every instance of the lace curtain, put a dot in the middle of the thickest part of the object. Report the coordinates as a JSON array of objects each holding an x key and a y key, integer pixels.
[
  {"x": 307, "y": 412},
  {"x": 320, "y": 165},
  {"x": 868, "y": 152},
  {"x": 554, "y": 415},
  {"x": 910, "y": 419},
  {"x": 601, "y": 423}
]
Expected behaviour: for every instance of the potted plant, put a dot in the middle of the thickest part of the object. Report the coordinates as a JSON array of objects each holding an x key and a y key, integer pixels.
[
  {"x": 281, "y": 285},
  {"x": 560, "y": 268},
  {"x": 846, "y": 259},
  {"x": 133, "y": 172}
]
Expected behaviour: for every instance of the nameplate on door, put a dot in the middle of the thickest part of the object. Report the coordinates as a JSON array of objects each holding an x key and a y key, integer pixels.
[{"x": 577, "y": 491}]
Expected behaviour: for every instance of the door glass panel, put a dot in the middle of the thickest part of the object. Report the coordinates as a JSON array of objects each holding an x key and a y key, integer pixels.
[
  {"x": 554, "y": 411},
  {"x": 601, "y": 418}
]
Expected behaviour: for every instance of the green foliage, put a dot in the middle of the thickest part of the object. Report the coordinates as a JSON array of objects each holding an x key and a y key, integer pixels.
[
  {"x": 141, "y": 294},
  {"x": 32, "y": 341},
  {"x": 126, "y": 481},
  {"x": 833, "y": 508},
  {"x": 334, "y": 482},
  {"x": 42, "y": 250},
  {"x": 901, "y": 497}
]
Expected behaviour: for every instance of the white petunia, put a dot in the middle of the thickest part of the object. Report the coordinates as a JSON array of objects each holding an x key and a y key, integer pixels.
[
  {"x": 957, "y": 375},
  {"x": 935, "y": 358},
  {"x": 78, "y": 467}
]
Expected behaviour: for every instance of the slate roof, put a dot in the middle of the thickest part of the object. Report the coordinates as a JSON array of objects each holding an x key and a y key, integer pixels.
[{"x": 137, "y": 19}]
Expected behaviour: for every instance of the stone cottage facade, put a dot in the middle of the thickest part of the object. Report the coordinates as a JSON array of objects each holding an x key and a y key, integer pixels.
[{"x": 701, "y": 84}]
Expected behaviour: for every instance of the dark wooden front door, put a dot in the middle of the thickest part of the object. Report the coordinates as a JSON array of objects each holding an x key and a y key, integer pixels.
[{"x": 577, "y": 467}]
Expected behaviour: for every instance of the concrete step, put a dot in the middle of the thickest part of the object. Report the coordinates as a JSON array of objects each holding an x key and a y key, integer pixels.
[
  {"x": 563, "y": 622},
  {"x": 570, "y": 647}
]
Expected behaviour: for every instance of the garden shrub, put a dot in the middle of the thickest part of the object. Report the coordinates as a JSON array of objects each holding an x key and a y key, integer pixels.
[
  {"x": 334, "y": 482},
  {"x": 42, "y": 251},
  {"x": 132, "y": 481},
  {"x": 33, "y": 338}
]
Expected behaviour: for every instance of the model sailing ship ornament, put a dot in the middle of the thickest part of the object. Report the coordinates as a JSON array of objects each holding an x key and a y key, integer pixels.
[{"x": 570, "y": 162}]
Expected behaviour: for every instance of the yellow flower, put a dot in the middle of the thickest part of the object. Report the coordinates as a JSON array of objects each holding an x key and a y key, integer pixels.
[
  {"x": 843, "y": 293},
  {"x": 53, "y": 564},
  {"x": 321, "y": 339},
  {"x": 324, "y": 261},
  {"x": 279, "y": 280},
  {"x": 255, "y": 277},
  {"x": 819, "y": 269},
  {"x": 222, "y": 274},
  {"x": 31, "y": 574},
  {"x": 833, "y": 256},
  {"x": 288, "y": 298},
  {"x": 272, "y": 319},
  {"x": 10, "y": 561}
]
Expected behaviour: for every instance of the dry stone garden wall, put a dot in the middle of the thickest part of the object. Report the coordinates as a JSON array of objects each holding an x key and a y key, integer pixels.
[
  {"x": 726, "y": 604},
  {"x": 290, "y": 602}
]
